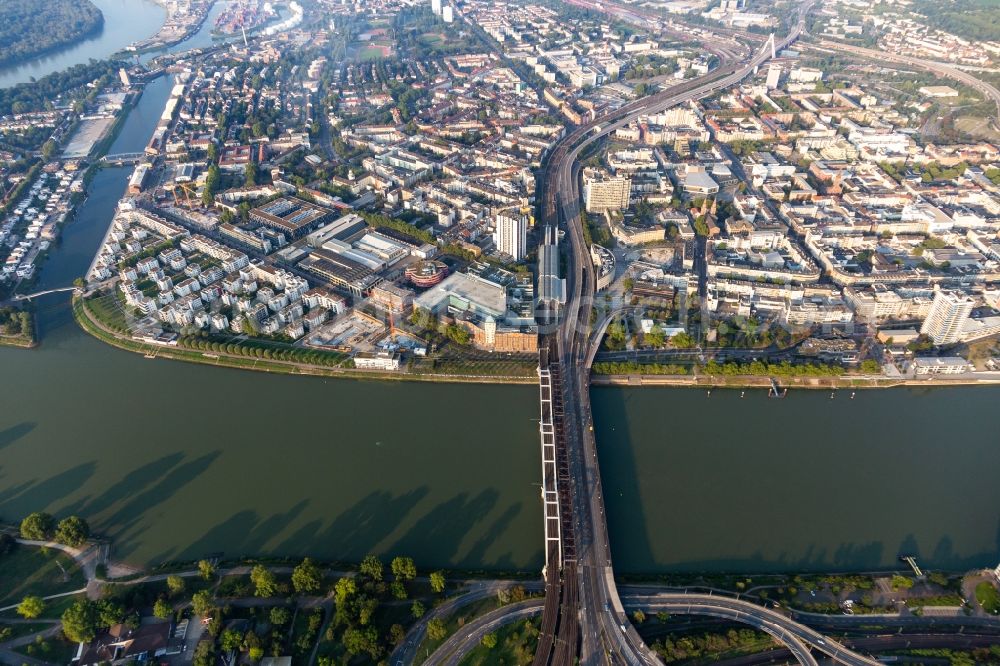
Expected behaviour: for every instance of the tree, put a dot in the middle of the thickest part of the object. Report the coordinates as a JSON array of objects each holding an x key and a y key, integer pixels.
[
  {"x": 639, "y": 617},
  {"x": 357, "y": 641},
  {"x": 306, "y": 577},
  {"x": 372, "y": 567},
  {"x": 436, "y": 629},
  {"x": 211, "y": 183},
  {"x": 417, "y": 610},
  {"x": 206, "y": 569},
  {"x": 37, "y": 527},
  {"x": 871, "y": 367},
  {"x": 397, "y": 634},
  {"x": 31, "y": 607},
  {"x": 655, "y": 337},
  {"x": 280, "y": 616},
  {"x": 255, "y": 653},
  {"x": 403, "y": 568},
  {"x": 265, "y": 584},
  {"x": 398, "y": 589},
  {"x": 110, "y": 612},
  {"x": 682, "y": 341},
  {"x": 231, "y": 640},
  {"x": 365, "y": 608},
  {"x": 162, "y": 609},
  {"x": 79, "y": 621},
  {"x": 251, "y": 174},
  {"x": 201, "y": 603},
  {"x": 49, "y": 149},
  {"x": 437, "y": 581},
  {"x": 901, "y": 582},
  {"x": 175, "y": 584},
  {"x": 344, "y": 590},
  {"x": 489, "y": 641}
]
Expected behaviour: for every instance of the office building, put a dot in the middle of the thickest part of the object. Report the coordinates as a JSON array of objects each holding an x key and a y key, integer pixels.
[{"x": 606, "y": 192}]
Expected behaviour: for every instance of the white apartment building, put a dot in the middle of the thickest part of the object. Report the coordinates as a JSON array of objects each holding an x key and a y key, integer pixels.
[
  {"x": 511, "y": 234},
  {"x": 944, "y": 322}
]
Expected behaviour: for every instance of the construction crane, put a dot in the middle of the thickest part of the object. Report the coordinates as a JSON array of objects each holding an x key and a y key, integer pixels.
[{"x": 187, "y": 190}]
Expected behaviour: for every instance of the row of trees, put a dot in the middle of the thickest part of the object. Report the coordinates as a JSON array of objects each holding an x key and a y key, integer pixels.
[
  {"x": 71, "y": 531},
  {"x": 40, "y": 94}
]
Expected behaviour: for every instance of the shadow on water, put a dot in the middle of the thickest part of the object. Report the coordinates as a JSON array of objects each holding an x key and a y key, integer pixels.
[
  {"x": 41, "y": 495},
  {"x": 478, "y": 552},
  {"x": 623, "y": 505},
  {"x": 442, "y": 529},
  {"x": 131, "y": 483},
  {"x": 10, "y": 435},
  {"x": 351, "y": 535},
  {"x": 126, "y": 525}
]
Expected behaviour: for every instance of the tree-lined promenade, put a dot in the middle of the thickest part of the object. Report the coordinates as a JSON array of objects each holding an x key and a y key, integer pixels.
[{"x": 314, "y": 612}]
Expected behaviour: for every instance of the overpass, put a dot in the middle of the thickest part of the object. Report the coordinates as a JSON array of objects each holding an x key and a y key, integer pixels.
[
  {"x": 37, "y": 294},
  {"x": 593, "y": 612},
  {"x": 123, "y": 158},
  {"x": 941, "y": 69}
]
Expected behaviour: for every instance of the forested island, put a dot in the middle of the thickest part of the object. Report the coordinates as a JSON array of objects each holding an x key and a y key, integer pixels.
[
  {"x": 32, "y": 27},
  {"x": 17, "y": 327}
]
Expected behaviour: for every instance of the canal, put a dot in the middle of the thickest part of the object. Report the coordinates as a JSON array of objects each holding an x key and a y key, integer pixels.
[{"x": 174, "y": 461}]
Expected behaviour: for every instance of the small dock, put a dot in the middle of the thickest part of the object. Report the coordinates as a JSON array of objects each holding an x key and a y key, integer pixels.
[
  {"x": 912, "y": 561},
  {"x": 776, "y": 391}
]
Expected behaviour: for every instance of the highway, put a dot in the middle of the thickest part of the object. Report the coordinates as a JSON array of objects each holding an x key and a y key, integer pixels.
[
  {"x": 792, "y": 634},
  {"x": 938, "y": 68},
  {"x": 582, "y": 610},
  {"x": 606, "y": 634}
]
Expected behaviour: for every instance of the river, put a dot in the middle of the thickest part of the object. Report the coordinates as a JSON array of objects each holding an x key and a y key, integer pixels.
[
  {"x": 125, "y": 21},
  {"x": 805, "y": 483},
  {"x": 175, "y": 461}
]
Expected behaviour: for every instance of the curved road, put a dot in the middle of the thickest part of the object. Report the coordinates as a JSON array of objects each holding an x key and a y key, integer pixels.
[
  {"x": 948, "y": 71},
  {"x": 607, "y": 635}
]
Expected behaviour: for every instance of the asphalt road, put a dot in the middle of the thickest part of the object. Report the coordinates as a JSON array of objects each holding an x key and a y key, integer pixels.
[{"x": 606, "y": 633}]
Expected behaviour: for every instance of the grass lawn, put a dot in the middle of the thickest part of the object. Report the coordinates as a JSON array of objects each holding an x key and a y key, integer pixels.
[
  {"x": 988, "y": 597},
  {"x": 305, "y": 633},
  {"x": 977, "y": 127},
  {"x": 9, "y": 632},
  {"x": 515, "y": 645},
  {"x": 455, "y": 622},
  {"x": 372, "y": 53},
  {"x": 54, "y": 608},
  {"x": 52, "y": 650},
  {"x": 41, "y": 571}
]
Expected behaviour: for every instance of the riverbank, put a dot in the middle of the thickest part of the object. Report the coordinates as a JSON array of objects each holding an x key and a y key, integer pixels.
[
  {"x": 17, "y": 328},
  {"x": 182, "y": 22},
  {"x": 752, "y": 381},
  {"x": 91, "y": 324},
  {"x": 29, "y": 33},
  {"x": 17, "y": 341},
  {"x": 245, "y": 360}
]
